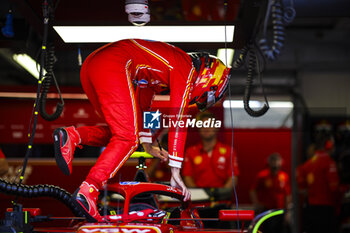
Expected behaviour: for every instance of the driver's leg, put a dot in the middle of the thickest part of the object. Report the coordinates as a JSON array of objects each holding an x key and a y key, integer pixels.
[{"x": 113, "y": 95}]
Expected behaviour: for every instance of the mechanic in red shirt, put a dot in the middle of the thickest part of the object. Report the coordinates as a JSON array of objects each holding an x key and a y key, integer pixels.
[
  {"x": 207, "y": 164},
  {"x": 120, "y": 80},
  {"x": 271, "y": 188},
  {"x": 3, "y": 164},
  {"x": 318, "y": 177}
]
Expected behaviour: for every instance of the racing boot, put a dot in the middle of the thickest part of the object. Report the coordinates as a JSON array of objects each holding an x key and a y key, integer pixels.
[
  {"x": 85, "y": 198},
  {"x": 65, "y": 141}
]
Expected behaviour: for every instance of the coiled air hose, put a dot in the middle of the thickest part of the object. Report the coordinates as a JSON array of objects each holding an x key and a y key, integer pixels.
[
  {"x": 41, "y": 190},
  {"x": 49, "y": 62},
  {"x": 278, "y": 32},
  {"x": 239, "y": 62},
  {"x": 248, "y": 53},
  {"x": 252, "y": 64},
  {"x": 279, "y": 17}
]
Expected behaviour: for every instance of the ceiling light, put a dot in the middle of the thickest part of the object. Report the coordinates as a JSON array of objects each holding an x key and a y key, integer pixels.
[
  {"x": 257, "y": 104},
  {"x": 278, "y": 116},
  {"x": 222, "y": 56},
  {"x": 106, "y": 34},
  {"x": 281, "y": 104},
  {"x": 239, "y": 104},
  {"x": 27, "y": 63}
]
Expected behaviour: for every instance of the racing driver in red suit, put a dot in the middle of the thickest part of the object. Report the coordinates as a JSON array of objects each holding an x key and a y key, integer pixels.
[{"x": 120, "y": 80}]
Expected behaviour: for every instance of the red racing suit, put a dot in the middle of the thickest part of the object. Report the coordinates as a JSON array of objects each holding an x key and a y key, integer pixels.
[{"x": 109, "y": 76}]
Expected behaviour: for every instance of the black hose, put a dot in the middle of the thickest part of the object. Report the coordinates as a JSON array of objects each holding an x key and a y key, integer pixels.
[
  {"x": 241, "y": 59},
  {"x": 41, "y": 190},
  {"x": 49, "y": 61},
  {"x": 252, "y": 59},
  {"x": 278, "y": 31},
  {"x": 251, "y": 52}
]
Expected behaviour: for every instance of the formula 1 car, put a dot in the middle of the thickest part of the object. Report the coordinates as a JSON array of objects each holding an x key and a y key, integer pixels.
[{"x": 128, "y": 207}]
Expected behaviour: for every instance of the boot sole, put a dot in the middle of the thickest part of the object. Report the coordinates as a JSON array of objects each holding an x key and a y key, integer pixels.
[
  {"x": 61, "y": 163},
  {"x": 88, "y": 217}
]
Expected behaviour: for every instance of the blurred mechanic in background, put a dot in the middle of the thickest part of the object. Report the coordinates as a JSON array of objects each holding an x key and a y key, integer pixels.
[
  {"x": 271, "y": 190},
  {"x": 208, "y": 164},
  {"x": 318, "y": 179}
]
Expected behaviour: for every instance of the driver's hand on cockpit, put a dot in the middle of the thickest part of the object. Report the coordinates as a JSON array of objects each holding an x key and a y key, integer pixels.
[{"x": 176, "y": 181}]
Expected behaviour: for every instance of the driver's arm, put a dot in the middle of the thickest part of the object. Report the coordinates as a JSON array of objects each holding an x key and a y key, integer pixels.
[{"x": 181, "y": 83}]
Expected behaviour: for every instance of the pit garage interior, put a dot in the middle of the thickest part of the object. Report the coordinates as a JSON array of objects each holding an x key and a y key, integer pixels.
[{"x": 305, "y": 80}]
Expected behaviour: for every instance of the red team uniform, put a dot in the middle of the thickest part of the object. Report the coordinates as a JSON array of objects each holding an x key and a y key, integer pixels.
[
  {"x": 272, "y": 190},
  {"x": 120, "y": 80},
  {"x": 319, "y": 177},
  {"x": 126, "y": 63},
  {"x": 210, "y": 171}
]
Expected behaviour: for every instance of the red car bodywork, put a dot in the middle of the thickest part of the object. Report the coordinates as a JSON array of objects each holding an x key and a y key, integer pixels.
[{"x": 129, "y": 221}]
